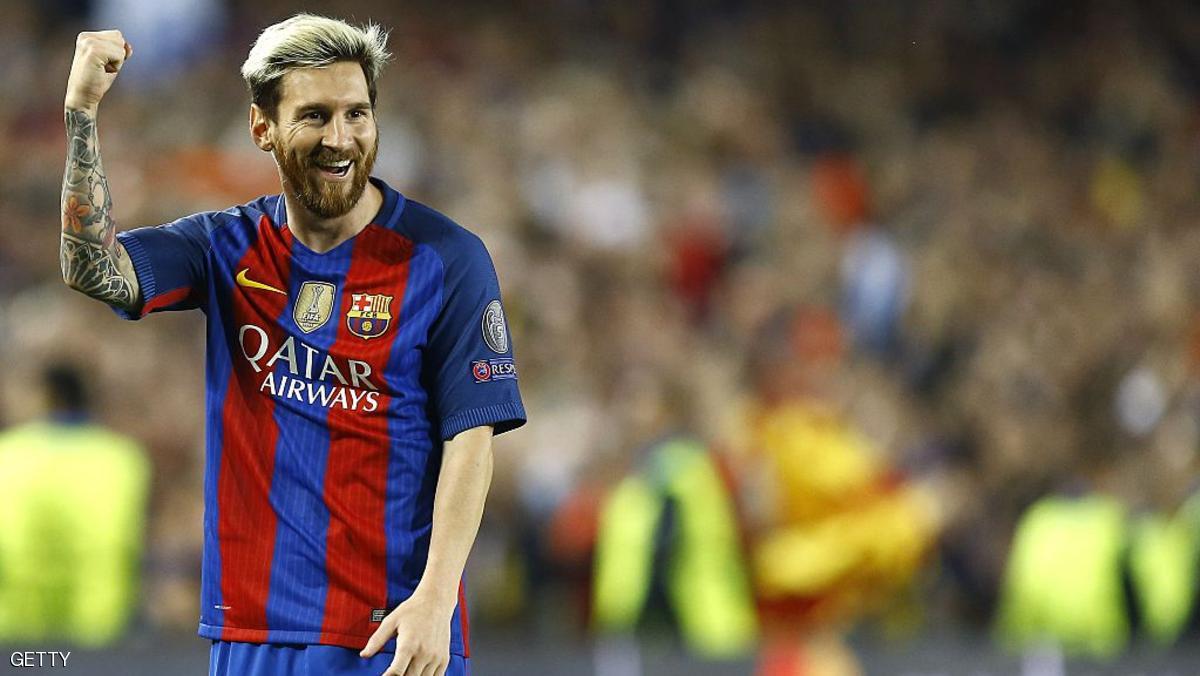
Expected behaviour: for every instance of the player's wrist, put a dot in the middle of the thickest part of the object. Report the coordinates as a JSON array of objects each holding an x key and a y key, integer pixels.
[
  {"x": 437, "y": 597},
  {"x": 71, "y": 104}
]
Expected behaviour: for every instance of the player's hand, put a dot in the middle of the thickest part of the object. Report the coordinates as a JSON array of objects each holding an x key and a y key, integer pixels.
[
  {"x": 421, "y": 627},
  {"x": 98, "y": 58}
]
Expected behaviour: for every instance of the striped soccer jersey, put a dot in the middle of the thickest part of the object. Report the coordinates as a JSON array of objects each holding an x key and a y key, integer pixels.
[{"x": 332, "y": 381}]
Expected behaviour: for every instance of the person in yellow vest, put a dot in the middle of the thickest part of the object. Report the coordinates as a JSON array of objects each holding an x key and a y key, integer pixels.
[
  {"x": 71, "y": 522},
  {"x": 1063, "y": 583},
  {"x": 676, "y": 511},
  {"x": 1084, "y": 576},
  {"x": 1164, "y": 571}
]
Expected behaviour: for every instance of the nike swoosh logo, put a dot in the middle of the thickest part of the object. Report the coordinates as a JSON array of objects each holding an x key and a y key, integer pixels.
[{"x": 245, "y": 281}]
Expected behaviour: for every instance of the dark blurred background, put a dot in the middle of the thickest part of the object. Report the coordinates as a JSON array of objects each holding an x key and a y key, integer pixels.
[{"x": 917, "y": 278}]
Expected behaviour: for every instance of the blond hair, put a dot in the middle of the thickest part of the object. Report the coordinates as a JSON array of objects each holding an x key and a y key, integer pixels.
[{"x": 310, "y": 41}]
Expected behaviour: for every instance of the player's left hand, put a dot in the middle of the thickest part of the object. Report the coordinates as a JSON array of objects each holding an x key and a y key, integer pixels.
[{"x": 421, "y": 627}]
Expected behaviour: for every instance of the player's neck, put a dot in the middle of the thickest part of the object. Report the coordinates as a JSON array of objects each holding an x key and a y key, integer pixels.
[{"x": 323, "y": 234}]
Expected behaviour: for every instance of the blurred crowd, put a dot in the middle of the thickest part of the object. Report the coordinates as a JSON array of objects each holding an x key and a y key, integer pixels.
[{"x": 936, "y": 254}]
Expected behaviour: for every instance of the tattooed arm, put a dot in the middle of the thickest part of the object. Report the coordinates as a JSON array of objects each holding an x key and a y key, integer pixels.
[{"x": 92, "y": 260}]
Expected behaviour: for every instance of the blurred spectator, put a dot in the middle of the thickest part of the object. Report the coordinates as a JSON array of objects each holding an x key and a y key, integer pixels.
[
  {"x": 875, "y": 281},
  {"x": 71, "y": 522},
  {"x": 1063, "y": 585},
  {"x": 671, "y": 527},
  {"x": 840, "y": 188},
  {"x": 1164, "y": 571},
  {"x": 836, "y": 530}
]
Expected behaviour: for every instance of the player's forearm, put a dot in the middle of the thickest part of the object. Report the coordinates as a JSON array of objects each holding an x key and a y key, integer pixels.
[
  {"x": 462, "y": 488},
  {"x": 93, "y": 261}
]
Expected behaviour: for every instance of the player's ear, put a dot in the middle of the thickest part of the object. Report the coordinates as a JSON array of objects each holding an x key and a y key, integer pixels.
[{"x": 260, "y": 125}]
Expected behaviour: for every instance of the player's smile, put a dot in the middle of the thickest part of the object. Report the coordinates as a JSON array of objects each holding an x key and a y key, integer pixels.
[
  {"x": 332, "y": 166},
  {"x": 334, "y": 169}
]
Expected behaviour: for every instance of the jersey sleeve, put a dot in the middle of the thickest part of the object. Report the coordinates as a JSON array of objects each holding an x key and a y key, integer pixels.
[
  {"x": 170, "y": 264},
  {"x": 472, "y": 375}
]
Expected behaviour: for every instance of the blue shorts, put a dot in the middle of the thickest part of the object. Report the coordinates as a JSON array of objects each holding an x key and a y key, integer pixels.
[{"x": 228, "y": 658}]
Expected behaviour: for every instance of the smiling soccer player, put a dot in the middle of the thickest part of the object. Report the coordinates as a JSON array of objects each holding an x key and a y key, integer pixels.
[{"x": 358, "y": 365}]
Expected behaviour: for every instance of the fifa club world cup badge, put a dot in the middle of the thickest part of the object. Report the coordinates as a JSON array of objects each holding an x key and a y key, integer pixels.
[
  {"x": 313, "y": 305},
  {"x": 369, "y": 314}
]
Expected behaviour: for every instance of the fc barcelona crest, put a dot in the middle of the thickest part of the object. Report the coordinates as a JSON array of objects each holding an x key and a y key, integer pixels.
[
  {"x": 369, "y": 314},
  {"x": 313, "y": 305}
]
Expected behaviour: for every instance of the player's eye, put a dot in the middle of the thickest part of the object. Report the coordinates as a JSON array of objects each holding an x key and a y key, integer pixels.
[
  {"x": 314, "y": 115},
  {"x": 358, "y": 113}
]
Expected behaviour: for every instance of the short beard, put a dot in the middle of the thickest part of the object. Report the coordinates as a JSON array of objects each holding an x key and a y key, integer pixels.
[{"x": 323, "y": 198}]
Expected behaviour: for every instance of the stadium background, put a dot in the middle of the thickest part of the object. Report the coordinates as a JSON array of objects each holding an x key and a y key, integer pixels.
[{"x": 970, "y": 226}]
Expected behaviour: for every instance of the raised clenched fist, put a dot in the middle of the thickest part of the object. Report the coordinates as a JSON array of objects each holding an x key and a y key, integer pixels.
[{"x": 98, "y": 58}]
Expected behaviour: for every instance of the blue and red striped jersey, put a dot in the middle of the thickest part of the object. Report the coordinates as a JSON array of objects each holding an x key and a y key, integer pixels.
[{"x": 332, "y": 381}]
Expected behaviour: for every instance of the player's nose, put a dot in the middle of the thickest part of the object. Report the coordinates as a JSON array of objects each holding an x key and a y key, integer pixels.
[{"x": 337, "y": 135}]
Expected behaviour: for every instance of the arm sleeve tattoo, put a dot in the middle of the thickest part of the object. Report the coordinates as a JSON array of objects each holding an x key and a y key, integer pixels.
[{"x": 93, "y": 261}]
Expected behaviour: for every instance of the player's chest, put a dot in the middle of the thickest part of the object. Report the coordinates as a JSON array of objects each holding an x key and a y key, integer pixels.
[{"x": 327, "y": 306}]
